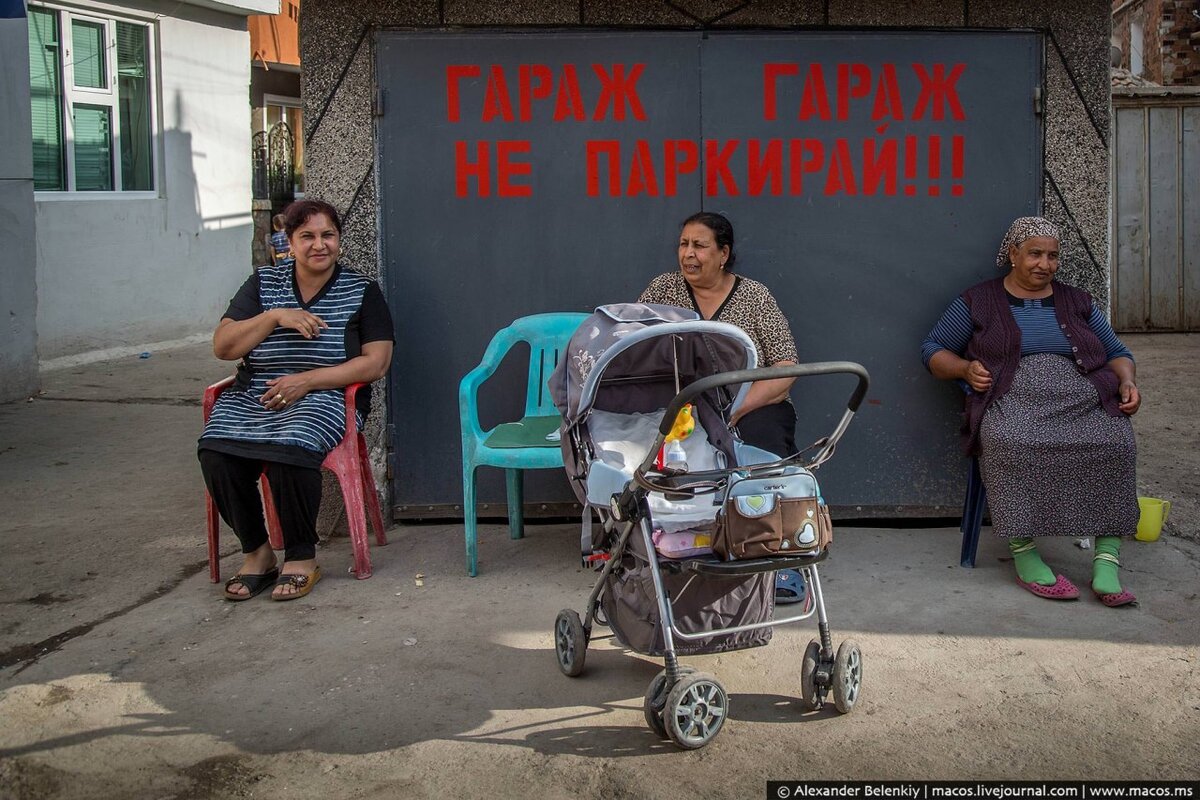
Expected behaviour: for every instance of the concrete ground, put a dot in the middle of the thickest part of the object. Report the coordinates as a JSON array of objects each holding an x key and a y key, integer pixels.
[{"x": 124, "y": 674}]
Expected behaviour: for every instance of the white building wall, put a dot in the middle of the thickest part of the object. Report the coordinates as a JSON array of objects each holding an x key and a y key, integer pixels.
[
  {"x": 18, "y": 291},
  {"x": 115, "y": 271}
]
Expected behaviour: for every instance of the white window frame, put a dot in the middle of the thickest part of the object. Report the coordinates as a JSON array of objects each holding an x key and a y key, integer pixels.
[
  {"x": 279, "y": 100},
  {"x": 108, "y": 97}
]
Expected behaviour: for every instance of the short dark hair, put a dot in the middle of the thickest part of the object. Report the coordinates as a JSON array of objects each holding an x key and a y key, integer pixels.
[
  {"x": 722, "y": 230},
  {"x": 301, "y": 211}
]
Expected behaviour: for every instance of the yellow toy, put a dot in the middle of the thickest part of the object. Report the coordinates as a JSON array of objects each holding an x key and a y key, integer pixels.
[
  {"x": 684, "y": 425},
  {"x": 672, "y": 454}
]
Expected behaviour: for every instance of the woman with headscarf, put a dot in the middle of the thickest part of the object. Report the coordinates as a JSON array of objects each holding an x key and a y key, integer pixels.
[{"x": 1051, "y": 389}]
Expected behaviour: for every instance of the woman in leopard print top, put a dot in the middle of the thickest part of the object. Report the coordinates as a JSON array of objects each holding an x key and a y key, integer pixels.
[{"x": 706, "y": 284}]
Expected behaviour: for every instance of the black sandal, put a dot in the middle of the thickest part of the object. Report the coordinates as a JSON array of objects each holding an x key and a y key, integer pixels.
[{"x": 254, "y": 584}]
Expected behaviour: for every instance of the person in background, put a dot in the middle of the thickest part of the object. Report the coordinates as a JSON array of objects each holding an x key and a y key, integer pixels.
[
  {"x": 1051, "y": 392},
  {"x": 281, "y": 248}
]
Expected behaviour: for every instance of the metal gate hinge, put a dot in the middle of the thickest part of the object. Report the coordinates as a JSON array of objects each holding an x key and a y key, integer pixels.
[
  {"x": 378, "y": 108},
  {"x": 1037, "y": 101}
]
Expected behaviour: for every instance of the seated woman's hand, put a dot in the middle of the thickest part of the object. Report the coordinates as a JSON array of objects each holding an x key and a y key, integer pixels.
[
  {"x": 306, "y": 324},
  {"x": 285, "y": 391},
  {"x": 1131, "y": 398},
  {"x": 978, "y": 377}
]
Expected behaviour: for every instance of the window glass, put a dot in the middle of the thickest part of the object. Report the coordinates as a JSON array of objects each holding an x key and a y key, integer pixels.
[
  {"x": 133, "y": 88},
  {"x": 92, "y": 103},
  {"x": 93, "y": 148},
  {"x": 1137, "y": 36},
  {"x": 88, "y": 56},
  {"x": 45, "y": 89}
]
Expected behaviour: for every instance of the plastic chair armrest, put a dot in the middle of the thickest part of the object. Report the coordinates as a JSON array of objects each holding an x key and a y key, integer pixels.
[
  {"x": 468, "y": 388},
  {"x": 352, "y": 407},
  {"x": 468, "y": 404},
  {"x": 211, "y": 392}
]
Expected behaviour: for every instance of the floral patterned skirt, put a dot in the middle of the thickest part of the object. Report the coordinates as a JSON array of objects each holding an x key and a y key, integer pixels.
[{"x": 1053, "y": 461}]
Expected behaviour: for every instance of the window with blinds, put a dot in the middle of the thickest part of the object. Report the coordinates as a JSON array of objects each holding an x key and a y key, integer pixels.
[{"x": 92, "y": 104}]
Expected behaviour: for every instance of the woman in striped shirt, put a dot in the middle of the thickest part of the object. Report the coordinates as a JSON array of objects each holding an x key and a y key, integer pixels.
[
  {"x": 303, "y": 332},
  {"x": 1051, "y": 389}
]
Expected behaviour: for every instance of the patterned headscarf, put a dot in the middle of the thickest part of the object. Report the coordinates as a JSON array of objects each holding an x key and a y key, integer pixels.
[{"x": 1025, "y": 228}]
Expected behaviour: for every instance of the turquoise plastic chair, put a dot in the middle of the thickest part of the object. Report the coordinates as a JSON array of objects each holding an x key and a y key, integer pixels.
[{"x": 514, "y": 446}]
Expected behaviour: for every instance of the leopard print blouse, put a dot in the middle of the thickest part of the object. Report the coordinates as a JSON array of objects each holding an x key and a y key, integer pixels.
[{"x": 750, "y": 306}]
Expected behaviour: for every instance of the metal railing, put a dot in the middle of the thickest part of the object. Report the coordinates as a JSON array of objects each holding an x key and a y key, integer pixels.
[{"x": 272, "y": 152}]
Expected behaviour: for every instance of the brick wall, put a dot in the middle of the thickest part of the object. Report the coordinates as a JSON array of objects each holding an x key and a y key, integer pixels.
[
  {"x": 1180, "y": 41},
  {"x": 1152, "y": 40},
  {"x": 1171, "y": 39}
]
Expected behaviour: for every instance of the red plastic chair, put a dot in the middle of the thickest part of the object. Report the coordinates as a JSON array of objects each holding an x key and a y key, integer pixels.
[{"x": 348, "y": 461}]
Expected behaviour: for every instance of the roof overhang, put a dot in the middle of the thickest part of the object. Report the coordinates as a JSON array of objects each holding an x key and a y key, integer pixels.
[
  {"x": 1165, "y": 92},
  {"x": 243, "y": 7}
]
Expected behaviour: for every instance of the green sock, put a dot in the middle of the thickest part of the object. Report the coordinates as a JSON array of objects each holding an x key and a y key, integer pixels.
[
  {"x": 1105, "y": 565},
  {"x": 1030, "y": 567}
]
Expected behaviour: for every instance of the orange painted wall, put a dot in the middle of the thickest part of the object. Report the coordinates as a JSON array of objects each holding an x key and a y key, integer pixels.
[{"x": 275, "y": 38}]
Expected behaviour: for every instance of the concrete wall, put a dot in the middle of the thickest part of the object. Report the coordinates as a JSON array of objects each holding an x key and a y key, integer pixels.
[
  {"x": 116, "y": 271},
  {"x": 18, "y": 289}
]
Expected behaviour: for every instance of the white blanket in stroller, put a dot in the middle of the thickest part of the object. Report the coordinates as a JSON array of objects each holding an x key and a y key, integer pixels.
[{"x": 623, "y": 440}]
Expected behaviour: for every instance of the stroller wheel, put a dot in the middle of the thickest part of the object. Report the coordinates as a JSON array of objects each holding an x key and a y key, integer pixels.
[
  {"x": 695, "y": 711},
  {"x": 656, "y": 699},
  {"x": 847, "y": 676},
  {"x": 808, "y": 677},
  {"x": 570, "y": 642}
]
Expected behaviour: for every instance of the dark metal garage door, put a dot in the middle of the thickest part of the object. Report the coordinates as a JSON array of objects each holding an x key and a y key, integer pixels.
[{"x": 869, "y": 177}]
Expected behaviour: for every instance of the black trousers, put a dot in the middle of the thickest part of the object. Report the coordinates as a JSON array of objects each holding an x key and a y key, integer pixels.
[
  {"x": 233, "y": 483},
  {"x": 771, "y": 428}
]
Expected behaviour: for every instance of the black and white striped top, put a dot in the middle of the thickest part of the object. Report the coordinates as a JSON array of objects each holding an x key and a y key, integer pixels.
[{"x": 354, "y": 309}]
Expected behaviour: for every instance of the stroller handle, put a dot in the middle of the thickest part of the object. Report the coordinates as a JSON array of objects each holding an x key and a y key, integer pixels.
[{"x": 692, "y": 390}]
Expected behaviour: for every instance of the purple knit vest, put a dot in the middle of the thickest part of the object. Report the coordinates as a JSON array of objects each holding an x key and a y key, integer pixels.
[{"x": 996, "y": 342}]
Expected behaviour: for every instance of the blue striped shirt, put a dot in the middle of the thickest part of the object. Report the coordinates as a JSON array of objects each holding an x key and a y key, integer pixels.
[
  {"x": 304, "y": 432},
  {"x": 1040, "y": 331}
]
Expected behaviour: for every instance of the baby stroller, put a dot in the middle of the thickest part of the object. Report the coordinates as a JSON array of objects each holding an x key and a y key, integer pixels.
[{"x": 618, "y": 389}]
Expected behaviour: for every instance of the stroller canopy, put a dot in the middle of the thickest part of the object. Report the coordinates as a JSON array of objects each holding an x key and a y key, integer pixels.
[{"x": 642, "y": 354}]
